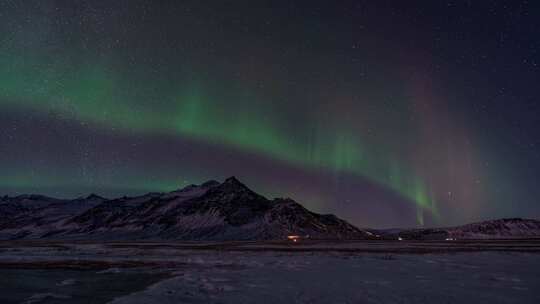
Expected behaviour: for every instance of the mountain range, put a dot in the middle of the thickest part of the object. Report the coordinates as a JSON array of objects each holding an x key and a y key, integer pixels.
[
  {"x": 210, "y": 211},
  {"x": 506, "y": 228}
]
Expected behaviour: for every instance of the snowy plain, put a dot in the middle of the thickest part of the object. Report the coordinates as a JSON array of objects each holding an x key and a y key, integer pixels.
[{"x": 225, "y": 273}]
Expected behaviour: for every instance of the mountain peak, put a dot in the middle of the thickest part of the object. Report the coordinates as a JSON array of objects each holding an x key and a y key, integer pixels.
[
  {"x": 233, "y": 181},
  {"x": 232, "y": 184},
  {"x": 210, "y": 183},
  {"x": 94, "y": 196}
]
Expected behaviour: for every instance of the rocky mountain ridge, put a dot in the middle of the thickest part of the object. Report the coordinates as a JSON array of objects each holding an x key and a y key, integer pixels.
[
  {"x": 210, "y": 211},
  {"x": 506, "y": 228}
]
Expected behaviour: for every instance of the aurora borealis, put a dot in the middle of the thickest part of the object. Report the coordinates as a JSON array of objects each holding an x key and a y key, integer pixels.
[{"x": 383, "y": 114}]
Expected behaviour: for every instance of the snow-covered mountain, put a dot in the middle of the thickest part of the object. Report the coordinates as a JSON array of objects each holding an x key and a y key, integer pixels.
[
  {"x": 210, "y": 211},
  {"x": 493, "y": 229}
]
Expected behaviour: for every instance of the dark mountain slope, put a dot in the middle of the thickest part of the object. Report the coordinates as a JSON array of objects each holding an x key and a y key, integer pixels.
[{"x": 211, "y": 211}]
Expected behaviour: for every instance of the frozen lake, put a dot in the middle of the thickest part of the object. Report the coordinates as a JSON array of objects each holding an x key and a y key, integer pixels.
[
  {"x": 70, "y": 286},
  {"x": 292, "y": 278},
  {"x": 161, "y": 273}
]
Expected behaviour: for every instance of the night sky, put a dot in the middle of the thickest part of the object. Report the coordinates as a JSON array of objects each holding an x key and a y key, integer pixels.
[{"x": 385, "y": 113}]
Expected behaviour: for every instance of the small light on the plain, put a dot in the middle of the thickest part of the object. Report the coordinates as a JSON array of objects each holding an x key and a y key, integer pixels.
[{"x": 293, "y": 238}]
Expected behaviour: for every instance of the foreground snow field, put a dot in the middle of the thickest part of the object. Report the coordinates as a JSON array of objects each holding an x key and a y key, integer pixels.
[
  {"x": 458, "y": 278},
  {"x": 163, "y": 273}
]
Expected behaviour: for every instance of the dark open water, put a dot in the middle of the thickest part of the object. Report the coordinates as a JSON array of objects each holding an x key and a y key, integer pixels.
[{"x": 48, "y": 286}]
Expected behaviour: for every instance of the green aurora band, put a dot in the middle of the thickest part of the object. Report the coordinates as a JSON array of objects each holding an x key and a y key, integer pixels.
[{"x": 96, "y": 94}]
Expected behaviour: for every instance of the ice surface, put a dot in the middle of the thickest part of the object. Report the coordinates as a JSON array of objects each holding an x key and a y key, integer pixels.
[
  {"x": 339, "y": 278},
  {"x": 189, "y": 273}
]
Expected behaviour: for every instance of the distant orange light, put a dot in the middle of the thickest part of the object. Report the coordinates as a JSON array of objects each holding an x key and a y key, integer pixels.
[{"x": 293, "y": 238}]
